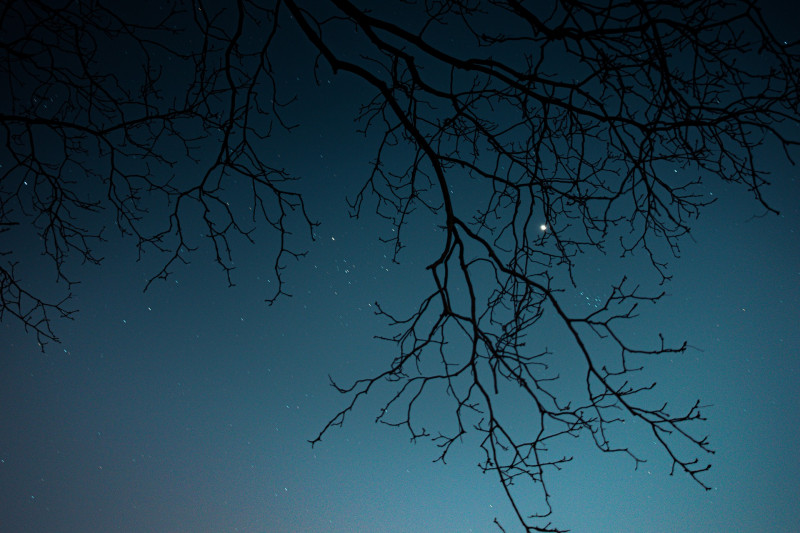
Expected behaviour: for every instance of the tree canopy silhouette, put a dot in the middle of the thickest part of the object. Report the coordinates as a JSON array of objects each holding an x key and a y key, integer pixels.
[{"x": 575, "y": 126}]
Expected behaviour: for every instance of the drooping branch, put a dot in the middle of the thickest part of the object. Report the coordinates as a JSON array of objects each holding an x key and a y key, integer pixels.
[
  {"x": 603, "y": 132},
  {"x": 171, "y": 139},
  {"x": 532, "y": 133}
]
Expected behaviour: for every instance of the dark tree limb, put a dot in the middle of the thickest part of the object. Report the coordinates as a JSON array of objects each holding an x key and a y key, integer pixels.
[{"x": 542, "y": 132}]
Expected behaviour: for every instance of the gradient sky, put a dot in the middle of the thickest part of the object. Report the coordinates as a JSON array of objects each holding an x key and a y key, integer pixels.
[{"x": 188, "y": 408}]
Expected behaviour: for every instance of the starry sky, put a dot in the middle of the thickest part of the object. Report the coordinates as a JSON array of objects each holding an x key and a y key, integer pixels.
[{"x": 189, "y": 407}]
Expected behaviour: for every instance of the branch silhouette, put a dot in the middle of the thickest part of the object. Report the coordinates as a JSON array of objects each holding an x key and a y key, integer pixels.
[{"x": 533, "y": 133}]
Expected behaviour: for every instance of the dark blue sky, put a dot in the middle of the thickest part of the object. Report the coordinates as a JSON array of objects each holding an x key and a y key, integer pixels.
[{"x": 189, "y": 407}]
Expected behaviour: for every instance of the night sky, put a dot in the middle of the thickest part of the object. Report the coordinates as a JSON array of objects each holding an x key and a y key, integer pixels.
[{"x": 189, "y": 407}]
